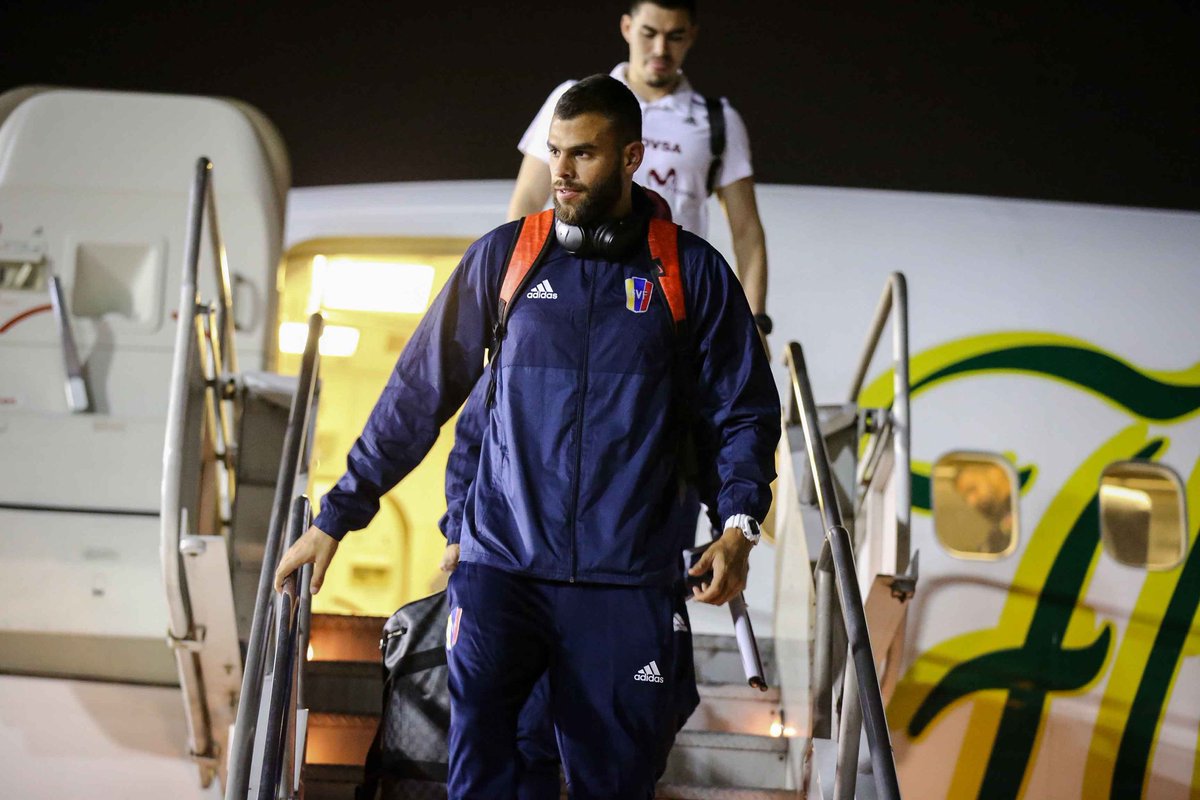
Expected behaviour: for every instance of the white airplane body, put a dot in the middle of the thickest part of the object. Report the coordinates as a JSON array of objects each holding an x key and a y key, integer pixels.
[{"x": 1052, "y": 340}]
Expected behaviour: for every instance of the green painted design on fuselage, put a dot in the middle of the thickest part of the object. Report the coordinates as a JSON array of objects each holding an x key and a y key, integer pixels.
[
  {"x": 1022, "y": 714},
  {"x": 1015, "y": 669},
  {"x": 1149, "y": 704},
  {"x": 1097, "y": 372}
]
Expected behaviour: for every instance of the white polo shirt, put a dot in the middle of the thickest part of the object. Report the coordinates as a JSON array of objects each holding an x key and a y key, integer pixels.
[{"x": 675, "y": 131}]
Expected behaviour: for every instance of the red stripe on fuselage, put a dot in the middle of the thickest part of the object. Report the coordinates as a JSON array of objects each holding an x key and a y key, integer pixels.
[{"x": 24, "y": 315}]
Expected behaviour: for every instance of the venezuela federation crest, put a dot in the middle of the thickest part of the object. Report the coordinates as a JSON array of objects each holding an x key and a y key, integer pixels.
[{"x": 637, "y": 294}]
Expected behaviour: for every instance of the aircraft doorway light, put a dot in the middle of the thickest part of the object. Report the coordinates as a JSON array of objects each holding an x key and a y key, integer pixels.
[
  {"x": 370, "y": 284},
  {"x": 336, "y": 340}
]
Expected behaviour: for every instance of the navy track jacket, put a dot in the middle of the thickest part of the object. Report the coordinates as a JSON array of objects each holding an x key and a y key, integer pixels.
[{"x": 577, "y": 465}]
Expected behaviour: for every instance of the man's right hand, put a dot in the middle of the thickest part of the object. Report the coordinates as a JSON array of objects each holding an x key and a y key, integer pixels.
[{"x": 315, "y": 547}]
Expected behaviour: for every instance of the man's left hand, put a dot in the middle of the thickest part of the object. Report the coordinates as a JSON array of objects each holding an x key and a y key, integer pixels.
[
  {"x": 729, "y": 560},
  {"x": 450, "y": 558}
]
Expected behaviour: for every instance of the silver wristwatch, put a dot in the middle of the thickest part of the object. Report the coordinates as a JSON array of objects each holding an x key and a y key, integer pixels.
[{"x": 747, "y": 524}]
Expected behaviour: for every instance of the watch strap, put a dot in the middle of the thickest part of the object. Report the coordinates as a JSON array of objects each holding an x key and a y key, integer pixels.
[{"x": 747, "y": 525}]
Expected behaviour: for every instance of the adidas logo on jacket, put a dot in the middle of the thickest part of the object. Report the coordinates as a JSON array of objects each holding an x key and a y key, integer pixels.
[
  {"x": 649, "y": 674},
  {"x": 543, "y": 291}
]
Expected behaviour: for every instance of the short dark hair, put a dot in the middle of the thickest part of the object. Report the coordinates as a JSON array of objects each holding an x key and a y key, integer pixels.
[
  {"x": 686, "y": 5},
  {"x": 608, "y": 97}
]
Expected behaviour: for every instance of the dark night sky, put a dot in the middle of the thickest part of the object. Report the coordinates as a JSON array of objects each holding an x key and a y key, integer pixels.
[{"x": 1084, "y": 101}]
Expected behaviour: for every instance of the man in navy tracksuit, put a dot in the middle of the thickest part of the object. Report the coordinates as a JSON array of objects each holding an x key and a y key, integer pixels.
[
  {"x": 538, "y": 758},
  {"x": 573, "y": 524}
]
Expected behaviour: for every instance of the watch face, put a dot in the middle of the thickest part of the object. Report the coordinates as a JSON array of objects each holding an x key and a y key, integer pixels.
[{"x": 754, "y": 529}]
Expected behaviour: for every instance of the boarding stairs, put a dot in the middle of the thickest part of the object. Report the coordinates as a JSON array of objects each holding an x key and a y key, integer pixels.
[{"x": 843, "y": 508}]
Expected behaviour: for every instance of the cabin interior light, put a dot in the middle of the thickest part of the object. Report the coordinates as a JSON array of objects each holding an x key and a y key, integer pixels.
[
  {"x": 370, "y": 284},
  {"x": 778, "y": 729},
  {"x": 1134, "y": 498},
  {"x": 336, "y": 340}
]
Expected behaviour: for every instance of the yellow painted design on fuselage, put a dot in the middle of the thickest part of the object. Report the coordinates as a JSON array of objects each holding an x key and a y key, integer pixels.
[{"x": 1014, "y": 622}]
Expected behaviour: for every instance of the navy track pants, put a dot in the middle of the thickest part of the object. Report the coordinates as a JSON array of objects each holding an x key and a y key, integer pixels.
[
  {"x": 537, "y": 746},
  {"x": 609, "y": 652}
]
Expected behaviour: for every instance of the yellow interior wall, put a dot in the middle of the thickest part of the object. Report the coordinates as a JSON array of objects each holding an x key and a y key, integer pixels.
[{"x": 394, "y": 560}]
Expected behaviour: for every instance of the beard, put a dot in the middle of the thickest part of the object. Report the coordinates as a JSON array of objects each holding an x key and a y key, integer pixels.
[
  {"x": 661, "y": 81},
  {"x": 596, "y": 202}
]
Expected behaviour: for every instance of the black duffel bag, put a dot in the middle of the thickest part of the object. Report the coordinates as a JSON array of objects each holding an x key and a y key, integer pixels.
[{"x": 408, "y": 759}]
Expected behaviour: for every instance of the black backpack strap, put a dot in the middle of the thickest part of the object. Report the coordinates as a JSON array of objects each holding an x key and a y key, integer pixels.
[{"x": 716, "y": 139}]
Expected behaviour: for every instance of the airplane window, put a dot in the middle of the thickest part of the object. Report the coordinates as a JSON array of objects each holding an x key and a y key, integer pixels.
[
  {"x": 975, "y": 505},
  {"x": 1142, "y": 516}
]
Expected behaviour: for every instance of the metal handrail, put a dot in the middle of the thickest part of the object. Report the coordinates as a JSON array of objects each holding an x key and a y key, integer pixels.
[
  {"x": 288, "y": 640},
  {"x": 174, "y": 522},
  {"x": 78, "y": 399},
  {"x": 295, "y": 435},
  {"x": 894, "y": 305},
  {"x": 225, "y": 318},
  {"x": 838, "y": 550},
  {"x": 297, "y": 726}
]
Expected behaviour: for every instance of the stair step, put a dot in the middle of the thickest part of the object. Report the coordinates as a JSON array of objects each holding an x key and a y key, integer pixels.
[
  {"x": 331, "y": 781},
  {"x": 705, "y": 758},
  {"x": 338, "y": 745},
  {"x": 343, "y": 687},
  {"x": 674, "y": 791},
  {"x": 718, "y": 660},
  {"x": 339, "y": 739},
  {"x": 735, "y": 708},
  {"x": 338, "y": 783},
  {"x": 342, "y": 637}
]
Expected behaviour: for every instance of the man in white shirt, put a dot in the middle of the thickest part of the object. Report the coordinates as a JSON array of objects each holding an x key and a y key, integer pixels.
[{"x": 679, "y": 161}]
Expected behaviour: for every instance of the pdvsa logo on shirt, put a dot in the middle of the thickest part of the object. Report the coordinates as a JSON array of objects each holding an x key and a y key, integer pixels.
[
  {"x": 543, "y": 291},
  {"x": 637, "y": 294}
]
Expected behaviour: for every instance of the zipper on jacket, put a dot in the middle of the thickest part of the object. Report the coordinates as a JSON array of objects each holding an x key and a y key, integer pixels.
[{"x": 583, "y": 385}]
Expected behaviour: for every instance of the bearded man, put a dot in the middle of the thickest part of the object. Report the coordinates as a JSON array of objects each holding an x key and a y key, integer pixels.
[{"x": 572, "y": 527}]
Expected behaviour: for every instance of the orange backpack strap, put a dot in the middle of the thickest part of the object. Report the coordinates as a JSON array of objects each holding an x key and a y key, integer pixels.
[
  {"x": 664, "y": 251},
  {"x": 528, "y": 248},
  {"x": 527, "y": 251}
]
